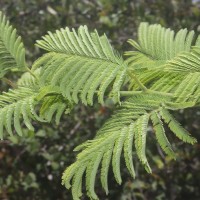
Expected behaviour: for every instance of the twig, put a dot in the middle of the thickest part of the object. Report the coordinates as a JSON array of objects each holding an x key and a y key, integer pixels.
[
  {"x": 130, "y": 93},
  {"x": 9, "y": 82}
]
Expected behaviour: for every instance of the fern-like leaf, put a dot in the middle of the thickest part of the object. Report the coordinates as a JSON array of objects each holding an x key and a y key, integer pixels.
[
  {"x": 127, "y": 126},
  {"x": 176, "y": 128},
  {"x": 53, "y": 103},
  {"x": 83, "y": 65},
  {"x": 160, "y": 135},
  {"x": 186, "y": 62},
  {"x": 28, "y": 80},
  {"x": 15, "y": 106},
  {"x": 159, "y": 43},
  {"x": 12, "y": 52},
  {"x": 158, "y": 62},
  {"x": 140, "y": 140}
]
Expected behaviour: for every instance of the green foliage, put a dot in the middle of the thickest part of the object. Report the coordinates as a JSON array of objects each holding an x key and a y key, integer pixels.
[
  {"x": 127, "y": 126},
  {"x": 157, "y": 45},
  {"x": 16, "y": 105},
  {"x": 12, "y": 52},
  {"x": 81, "y": 66},
  {"x": 186, "y": 62},
  {"x": 89, "y": 60}
]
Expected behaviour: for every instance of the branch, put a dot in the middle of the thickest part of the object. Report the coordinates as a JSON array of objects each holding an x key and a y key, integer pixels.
[
  {"x": 130, "y": 93},
  {"x": 9, "y": 82}
]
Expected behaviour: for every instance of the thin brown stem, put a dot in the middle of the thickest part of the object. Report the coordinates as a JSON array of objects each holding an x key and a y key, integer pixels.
[{"x": 9, "y": 82}]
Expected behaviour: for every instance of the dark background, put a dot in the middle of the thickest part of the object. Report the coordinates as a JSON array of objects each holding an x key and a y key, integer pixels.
[{"x": 31, "y": 167}]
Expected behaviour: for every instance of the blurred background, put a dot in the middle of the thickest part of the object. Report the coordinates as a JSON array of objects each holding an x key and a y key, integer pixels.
[{"x": 31, "y": 167}]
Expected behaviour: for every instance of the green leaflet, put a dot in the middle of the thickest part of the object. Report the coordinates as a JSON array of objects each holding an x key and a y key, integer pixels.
[
  {"x": 177, "y": 129},
  {"x": 187, "y": 87},
  {"x": 127, "y": 126},
  {"x": 82, "y": 43},
  {"x": 161, "y": 136},
  {"x": 185, "y": 62},
  {"x": 105, "y": 166},
  {"x": 161, "y": 50},
  {"x": 83, "y": 65},
  {"x": 52, "y": 103},
  {"x": 140, "y": 140},
  {"x": 91, "y": 174},
  {"x": 19, "y": 105},
  {"x": 128, "y": 150},
  {"x": 12, "y": 52},
  {"x": 15, "y": 106},
  {"x": 77, "y": 183},
  {"x": 161, "y": 43},
  {"x": 117, "y": 154},
  {"x": 28, "y": 80}
]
